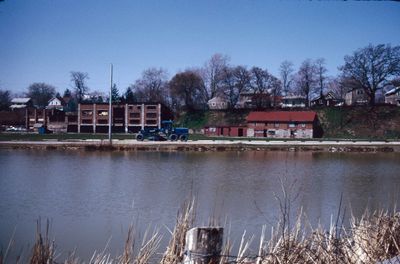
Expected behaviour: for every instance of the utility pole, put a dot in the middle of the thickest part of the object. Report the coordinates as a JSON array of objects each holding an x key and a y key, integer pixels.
[{"x": 110, "y": 105}]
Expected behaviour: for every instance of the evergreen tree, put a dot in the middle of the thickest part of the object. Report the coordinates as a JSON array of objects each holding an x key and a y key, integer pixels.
[{"x": 115, "y": 98}]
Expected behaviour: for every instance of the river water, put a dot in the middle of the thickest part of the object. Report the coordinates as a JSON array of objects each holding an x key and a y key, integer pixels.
[{"x": 91, "y": 198}]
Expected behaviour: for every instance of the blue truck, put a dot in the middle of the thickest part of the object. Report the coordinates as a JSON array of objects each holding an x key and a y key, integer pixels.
[{"x": 166, "y": 132}]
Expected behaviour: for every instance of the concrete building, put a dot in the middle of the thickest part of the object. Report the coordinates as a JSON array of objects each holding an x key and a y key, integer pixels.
[{"x": 283, "y": 124}]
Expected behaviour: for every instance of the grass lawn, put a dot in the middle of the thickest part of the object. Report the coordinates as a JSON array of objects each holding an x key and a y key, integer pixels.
[{"x": 13, "y": 136}]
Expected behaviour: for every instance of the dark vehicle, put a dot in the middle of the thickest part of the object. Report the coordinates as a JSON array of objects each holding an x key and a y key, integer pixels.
[{"x": 166, "y": 132}]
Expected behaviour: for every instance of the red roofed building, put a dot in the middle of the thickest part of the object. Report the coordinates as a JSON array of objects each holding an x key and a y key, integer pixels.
[{"x": 283, "y": 124}]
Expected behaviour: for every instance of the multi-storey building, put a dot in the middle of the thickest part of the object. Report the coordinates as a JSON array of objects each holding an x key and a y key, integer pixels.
[{"x": 94, "y": 118}]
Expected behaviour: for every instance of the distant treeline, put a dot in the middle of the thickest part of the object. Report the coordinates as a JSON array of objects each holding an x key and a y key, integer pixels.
[{"x": 374, "y": 68}]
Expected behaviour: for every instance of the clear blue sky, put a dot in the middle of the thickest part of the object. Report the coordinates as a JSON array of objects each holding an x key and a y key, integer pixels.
[{"x": 43, "y": 40}]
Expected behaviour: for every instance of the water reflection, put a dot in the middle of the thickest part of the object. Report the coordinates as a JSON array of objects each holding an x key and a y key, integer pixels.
[{"x": 94, "y": 196}]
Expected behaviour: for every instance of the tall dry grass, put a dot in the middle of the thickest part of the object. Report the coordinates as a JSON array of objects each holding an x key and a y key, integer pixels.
[
  {"x": 373, "y": 238},
  {"x": 43, "y": 251},
  {"x": 176, "y": 246}
]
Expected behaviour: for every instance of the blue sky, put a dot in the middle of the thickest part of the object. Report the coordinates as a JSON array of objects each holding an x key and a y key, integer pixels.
[{"x": 43, "y": 40}]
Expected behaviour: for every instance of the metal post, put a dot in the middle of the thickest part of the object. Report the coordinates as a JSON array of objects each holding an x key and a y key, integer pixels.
[
  {"x": 79, "y": 118},
  {"x": 110, "y": 105},
  {"x": 126, "y": 119}
]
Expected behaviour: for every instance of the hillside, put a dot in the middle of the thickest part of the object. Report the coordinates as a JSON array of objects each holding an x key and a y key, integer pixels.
[{"x": 379, "y": 122}]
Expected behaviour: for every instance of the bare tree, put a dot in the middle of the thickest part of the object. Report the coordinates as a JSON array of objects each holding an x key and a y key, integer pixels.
[
  {"x": 306, "y": 79},
  {"x": 336, "y": 86},
  {"x": 372, "y": 68},
  {"x": 321, "y": 75},
  {"x": 79, "y": 84},
  {"x": 263, "y": 83},
  {"x": 41, "y": 93},
  {"x": 5, "y": 99},
  {"x": 228, "y": 85},
  {"x": 286, "y": 71},
  {"x": 242, "y": 83},
  {"x": 152, "y": 86},
  {"x": 212, "y": 74},
  {"x": 234, "y": 81},
  {"x": 186, "y": 88},
  {"x": 276, "y": 90}
]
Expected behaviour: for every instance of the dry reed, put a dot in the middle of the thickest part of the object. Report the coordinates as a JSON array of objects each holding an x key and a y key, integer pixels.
[
  {"x": 176, "y": 246},
  {"x": 43, "y": 249},
  {"x": 371, "y": 239}
]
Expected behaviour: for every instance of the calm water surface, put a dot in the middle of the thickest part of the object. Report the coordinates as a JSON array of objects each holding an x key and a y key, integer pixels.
[{"x": 92, "y": 197}]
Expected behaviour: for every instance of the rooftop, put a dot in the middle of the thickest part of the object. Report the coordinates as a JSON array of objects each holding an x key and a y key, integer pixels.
[{"x": 20, "y": 100}]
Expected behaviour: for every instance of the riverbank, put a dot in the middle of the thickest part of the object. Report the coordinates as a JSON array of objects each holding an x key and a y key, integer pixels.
[{"x": 209, "y": 145}]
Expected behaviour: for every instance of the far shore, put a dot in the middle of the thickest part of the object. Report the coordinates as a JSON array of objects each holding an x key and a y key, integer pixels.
[{"x": 209, "y": 145}]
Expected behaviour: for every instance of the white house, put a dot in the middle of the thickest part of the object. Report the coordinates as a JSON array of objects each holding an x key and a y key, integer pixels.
[
  {"x": 56, "y": 103},
  {"x": 393, "y": 96},
  {"x": 218, "y": 103},
  {"x": 356, "y": 97},
  {"x": 294, "y": 101}
]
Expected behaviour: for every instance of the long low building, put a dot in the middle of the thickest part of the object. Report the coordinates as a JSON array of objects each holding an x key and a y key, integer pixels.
[
  {"x": 271, "y": 124},
  {"x": 94, "y": 118},
  {"x": 283, "y": 124}
]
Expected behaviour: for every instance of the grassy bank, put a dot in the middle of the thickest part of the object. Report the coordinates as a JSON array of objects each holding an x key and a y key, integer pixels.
[
  {"x": 370, "y": 239},
  {"x": 380, "y": 122}
]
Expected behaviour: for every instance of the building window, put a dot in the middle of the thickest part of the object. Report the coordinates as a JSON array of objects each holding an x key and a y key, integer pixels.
[
  {"x": 151, "y": 107},
  {"x": 87, "y": 113},
  {"x": 134, "y": 115},
  {"x": 271, "y": 132},
  {"x": 102, "y": 113},
  {"x": 102, "y": 121},
  {"x": 151, "y": 115},
  {"x": 135, "y": 122},
  {"x": 87, "y": 121},
  {"x": 72, "y": 119},
  {"x": 360, "y": 91},
  {"x": 292, "y": 125}
]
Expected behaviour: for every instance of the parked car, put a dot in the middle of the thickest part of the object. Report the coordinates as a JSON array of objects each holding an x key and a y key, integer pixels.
[{"x": 15, "y": 129}]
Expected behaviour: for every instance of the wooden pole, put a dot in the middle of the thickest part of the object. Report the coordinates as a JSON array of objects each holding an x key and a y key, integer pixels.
[{"x": 203, "y": 245}]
